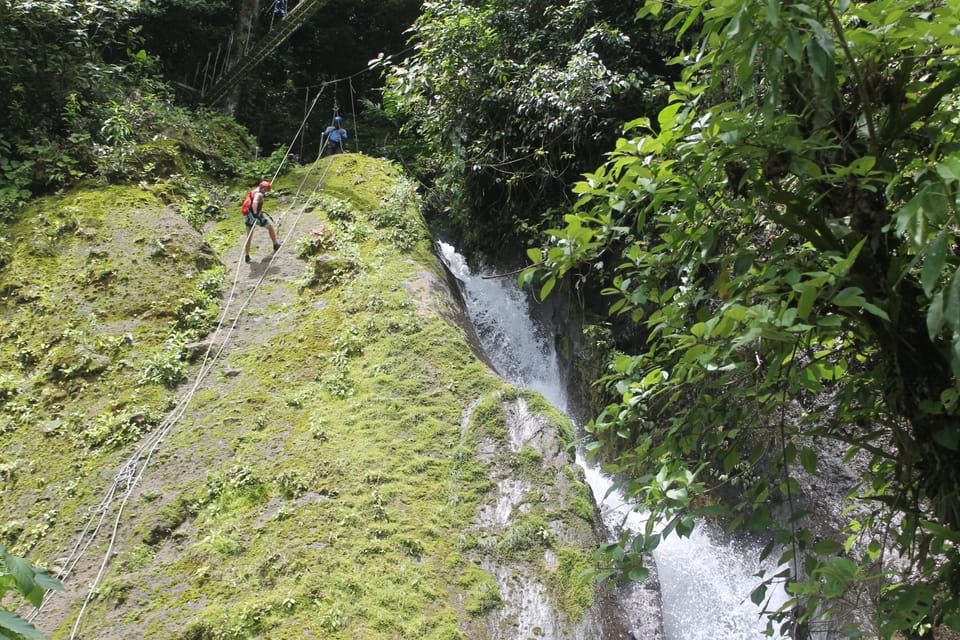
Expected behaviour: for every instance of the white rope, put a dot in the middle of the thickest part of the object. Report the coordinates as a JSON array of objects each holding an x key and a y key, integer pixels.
[{"x": 353, "y": 111}]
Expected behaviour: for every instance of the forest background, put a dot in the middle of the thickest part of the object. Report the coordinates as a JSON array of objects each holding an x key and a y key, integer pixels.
[{"x": 754, "y": 203}]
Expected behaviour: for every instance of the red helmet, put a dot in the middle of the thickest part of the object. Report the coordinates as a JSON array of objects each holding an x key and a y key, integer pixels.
[{"x": 265, "y": 185}]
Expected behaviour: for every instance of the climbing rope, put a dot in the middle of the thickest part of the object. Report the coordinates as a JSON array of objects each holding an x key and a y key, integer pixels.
[{"x": 353, "y": 112}]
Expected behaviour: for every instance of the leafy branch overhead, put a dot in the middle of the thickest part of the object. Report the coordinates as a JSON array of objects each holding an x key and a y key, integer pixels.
[{"x": 784, "y": 238}]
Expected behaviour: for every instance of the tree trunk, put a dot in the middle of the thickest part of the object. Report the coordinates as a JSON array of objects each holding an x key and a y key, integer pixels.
[{"x": 243, "y": 38}]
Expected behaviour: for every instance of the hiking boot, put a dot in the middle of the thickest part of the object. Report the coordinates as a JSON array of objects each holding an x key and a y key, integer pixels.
[
  {"x": 276, "y": 246},
  {"x": 246, "y": 258}
]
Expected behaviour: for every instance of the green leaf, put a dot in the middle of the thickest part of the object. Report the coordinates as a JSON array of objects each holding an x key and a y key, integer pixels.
[
  {"x": 935, "y": 316},
  {"x": 794, "y": 46},
  {"x": 818, "y": 58},
  {"x": 22, "y": 572},
  {"x": 949, "y": 169},
  {"x": 668, "y": 115},
  {"x": 873, "y": 309},
  {"x": 904, "y": 605},
  {"x": 638, "y": 574},
  {"x": 827, "y": 547},
  {"x": 733, "y": 27},
  {"x": 862, "y": 166},
  {"x": 808, "y": 459},
  {"x": 951, "y": 303},
  {"x": 940, "y": 530},
  {"x": 948, "y": 436},
  {"x": 677, "y": 495},
  {"x": 653, "y": 7},
  {"x": 849, "y": 297},
  {"x": 831, "y": 320},
  {"x": 758, "y": 595},
  {"x": 842, "y": 267},
  {"x": 547, "y": 287},
  {"x": 789, "y": 453},
  {"x": 697, "y": 10},
  {"x": 843, "y": 568},
  {"x": 952, "y": 620},
  {"x": 731, "y": 459},
  {"x": 933, "y": 264},
  {"x": 807, "y": 298},
  {"x": 18, "y": 625},
  {"x": 773, "y": 12},
  {"x": 909, "y": 221}
]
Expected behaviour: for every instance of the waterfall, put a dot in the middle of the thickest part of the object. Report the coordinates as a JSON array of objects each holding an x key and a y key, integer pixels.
[
  {"x": 520, "y": 350},
  {"x": 705, "y": 581}
]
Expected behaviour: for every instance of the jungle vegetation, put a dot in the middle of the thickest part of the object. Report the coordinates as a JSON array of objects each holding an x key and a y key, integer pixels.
[
  {"x": 756, "y": 201},
  {"x": 775, "y": 246}
]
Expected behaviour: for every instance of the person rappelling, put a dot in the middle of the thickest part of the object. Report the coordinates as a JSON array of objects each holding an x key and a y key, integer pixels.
[
  {"x": 335, "y": 136},
  {"x": 252, "y": 209}
]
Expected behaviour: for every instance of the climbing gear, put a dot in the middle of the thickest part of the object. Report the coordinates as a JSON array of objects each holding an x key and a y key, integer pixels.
[
  {"x": 337, "y": 120},
  {"x": 266, "y": 185}
]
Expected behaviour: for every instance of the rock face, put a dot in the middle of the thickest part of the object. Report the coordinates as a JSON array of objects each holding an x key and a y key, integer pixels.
[
  {"x": 537, "y": 477},
  {"x": 535, "y": 531},
  {"x": 338, "y": 464}
]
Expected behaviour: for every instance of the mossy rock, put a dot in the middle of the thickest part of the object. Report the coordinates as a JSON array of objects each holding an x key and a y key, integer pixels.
[{"x": 322, "y": 475}]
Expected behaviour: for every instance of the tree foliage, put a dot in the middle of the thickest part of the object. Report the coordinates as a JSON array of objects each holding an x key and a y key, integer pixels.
[
  {"x": 784, "y": 236},
  {"x": 55, "y": 63},
  {"x": 17, "y": 574},
  {"x": 84, "y": 99},
  {"x": 196, "y": 42},
  {"x": 512, "y": 101}
]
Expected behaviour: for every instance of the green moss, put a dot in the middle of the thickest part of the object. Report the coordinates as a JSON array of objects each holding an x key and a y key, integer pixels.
[
  {"x": 525, "y": 537},
  {"x": 582, "y": 507},
  {"x": 369, "y": 433},
  {"x": 529, "y": 460},
  {"x": 482, "y": 594},
  {"x": 161, "y": 524},
  {"x": 538, "y": 404},
  {"x": 334, "y": 484},
  {"x": 488, "y": 418},
  {"x": 572, "y": 582},
  {"x": 90, "y": 291}
]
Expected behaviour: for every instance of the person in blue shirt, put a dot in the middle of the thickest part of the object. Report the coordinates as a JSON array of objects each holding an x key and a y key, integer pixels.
[{"x": 335, "y": 135}]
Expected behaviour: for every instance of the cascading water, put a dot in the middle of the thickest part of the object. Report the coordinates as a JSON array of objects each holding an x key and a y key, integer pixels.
[
  {"x": 705, "y": 582},
  {"x": 522, "y": 352}
]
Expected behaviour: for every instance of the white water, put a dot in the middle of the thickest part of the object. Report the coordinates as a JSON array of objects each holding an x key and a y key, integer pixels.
[
  {"x": 522, "y": 352},
  {"x": 705, "y": 581}
]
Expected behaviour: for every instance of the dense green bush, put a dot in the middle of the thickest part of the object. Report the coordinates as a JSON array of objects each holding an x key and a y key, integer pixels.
[{"x": 84, "y": 99}]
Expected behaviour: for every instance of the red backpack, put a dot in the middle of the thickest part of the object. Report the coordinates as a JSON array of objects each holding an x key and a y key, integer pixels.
[{"x": 247, "y": 202}]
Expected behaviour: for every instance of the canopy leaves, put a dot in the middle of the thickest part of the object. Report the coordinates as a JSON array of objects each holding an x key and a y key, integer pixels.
[
  {"x": 512, "y": 101},
  {"x": 784, "y": 237}
]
